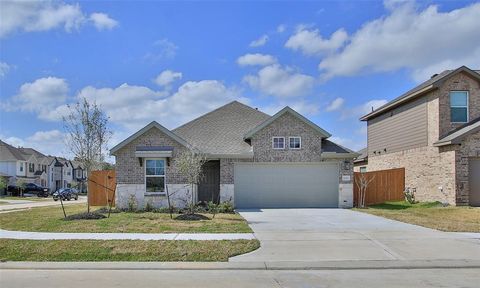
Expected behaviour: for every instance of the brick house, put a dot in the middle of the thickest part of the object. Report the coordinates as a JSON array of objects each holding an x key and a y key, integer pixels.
[
  {"x": 254, "y": 160},
  {"x": 433, "y": 131}
]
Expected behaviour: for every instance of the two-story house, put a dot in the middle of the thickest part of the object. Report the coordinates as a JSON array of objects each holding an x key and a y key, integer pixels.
[
  {"x": 433, "y": 131},
  {"x": 254, "y": 160},
  {"x": 13, "y": 163}
]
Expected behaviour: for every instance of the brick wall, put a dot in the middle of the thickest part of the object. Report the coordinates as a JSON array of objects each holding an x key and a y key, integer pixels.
[
  {"x": 128, "y": 168},
  {"x": 461, "y": 81},
  {"x": 470, "y": 148},
  {"x": 285, "y": 126}
]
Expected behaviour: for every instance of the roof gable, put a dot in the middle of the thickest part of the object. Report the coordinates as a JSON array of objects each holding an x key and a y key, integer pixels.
[
  {"x": 287, "y": 109},
  {"x": 427, "y": 86},
  {"x": 142, "y": 131},
  {"x": 457, "y": 135}
]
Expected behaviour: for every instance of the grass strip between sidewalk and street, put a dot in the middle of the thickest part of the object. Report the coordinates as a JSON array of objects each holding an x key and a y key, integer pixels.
[
  {"x": 123, "y": 250},
  {"x": 50, "y": 219},
  {"x": 429, "y": 214}
]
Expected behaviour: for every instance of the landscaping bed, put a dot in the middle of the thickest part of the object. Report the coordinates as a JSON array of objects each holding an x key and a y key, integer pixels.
[
  {"x": 429, "y": 214},
  {"x": 51, "y": 219},
  {"x": 123, "y": 250}
]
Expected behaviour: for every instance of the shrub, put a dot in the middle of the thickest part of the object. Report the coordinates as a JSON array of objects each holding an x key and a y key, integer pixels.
[
  {"x": 132, "y": 204},
  {"x": 149, "y": 206},
  {"x": 226, "y": 207},
  {"x": 410, "y": 195}
]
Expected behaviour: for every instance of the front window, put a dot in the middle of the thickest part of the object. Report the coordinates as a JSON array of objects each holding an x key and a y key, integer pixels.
[
  {"x": 295, "y": 142},
  {"x": 155, "y": 175},
  {"x": 278, "y": 142},
  {"x": 30, "y": 167},
  {"x": 21, "y": 167},
  {"x": 459, "y": 106},
  {"x": 363, "y": 169}
]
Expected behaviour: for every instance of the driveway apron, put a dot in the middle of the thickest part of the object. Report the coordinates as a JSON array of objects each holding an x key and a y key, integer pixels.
[{"x": 346, "y": 235}]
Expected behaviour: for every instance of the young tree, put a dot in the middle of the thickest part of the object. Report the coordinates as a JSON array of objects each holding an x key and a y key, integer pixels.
[
  {"x": 190, "y": 165},
  {"x": 362, "y": 181},
  {"x": 87, "y": 134},
  {"x": 3, "y": 183}
]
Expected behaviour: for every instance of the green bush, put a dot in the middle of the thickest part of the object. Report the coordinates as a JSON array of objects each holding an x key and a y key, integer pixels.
[{"x": 226, "y": 207}]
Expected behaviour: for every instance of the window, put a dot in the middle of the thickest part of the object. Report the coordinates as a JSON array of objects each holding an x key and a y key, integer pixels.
[
  {"x": 295, "y": 142},
  {"x": 155, "y": 175},
  {"x": 459, "y": 106},
  {"x": 21, "y": 167},
  {"x": 278, "y": 142},
  {"x": 31, "y": 167},
  {"x": 363, "y": 169}
]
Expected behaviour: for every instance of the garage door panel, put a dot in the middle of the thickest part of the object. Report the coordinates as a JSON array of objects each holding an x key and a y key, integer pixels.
[{"x": 274, "y": 185}]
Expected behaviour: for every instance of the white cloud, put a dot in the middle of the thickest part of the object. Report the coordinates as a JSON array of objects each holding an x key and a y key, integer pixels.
[
  {"x": 336, "y": 104},
  {"x": 163, "y": 49},
  {"x": 281, "y": 28},
  {"x": 281, "y": 82},
  {"x": 310, "y": 42},
  {"x": 4, "y": 68},
  {"x": 30, "y": 16},
  {"x": 167, "y": 77},
  {"x": 50, "y": 142},
  {"x": 256, "y": 59},
  {"x": 424, "y": 41},
  {"x": 363, "y": 109},
  {"x": 41, "y": 96},
  {"x": 260, "y": 41},
  {"x": 132, "y": 107},
  {"x": 102, "y": 21}
]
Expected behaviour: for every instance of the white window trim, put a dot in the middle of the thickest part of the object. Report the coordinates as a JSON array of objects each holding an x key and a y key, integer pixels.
[
  {"x": 450, "y": 105},
  {"x": 164, "y": 176},
  {"x": 273, "y": 143},
  {"x": 294, "y": 137}
]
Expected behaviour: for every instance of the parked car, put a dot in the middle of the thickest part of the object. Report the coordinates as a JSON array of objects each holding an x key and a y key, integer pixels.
[
  {"x": 65, "y": 194},
  {"x": 40, "y": 191},
  {"x": 36, "y": 189}
]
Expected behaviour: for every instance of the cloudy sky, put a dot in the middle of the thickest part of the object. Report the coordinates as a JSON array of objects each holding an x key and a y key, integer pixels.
[{"x": 171, "y": 62}]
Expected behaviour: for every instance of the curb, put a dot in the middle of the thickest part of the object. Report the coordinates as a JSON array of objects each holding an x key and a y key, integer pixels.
[{"x": 287, "y": 265}]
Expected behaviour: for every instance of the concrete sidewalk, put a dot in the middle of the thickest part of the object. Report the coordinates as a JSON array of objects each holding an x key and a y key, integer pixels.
[
  {"x": 5, "y": 234},
  {"x": 32, "y": 204}
]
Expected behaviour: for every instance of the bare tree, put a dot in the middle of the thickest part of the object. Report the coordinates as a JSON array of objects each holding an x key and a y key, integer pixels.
[
  {"x": 87, "y": 134},
  {"x": 190, "y": 165},
  {"x": 362, "y": 181}
]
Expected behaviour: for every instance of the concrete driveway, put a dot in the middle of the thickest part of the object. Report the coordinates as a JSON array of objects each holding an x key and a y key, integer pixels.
[{"x": 340, "y": 234}]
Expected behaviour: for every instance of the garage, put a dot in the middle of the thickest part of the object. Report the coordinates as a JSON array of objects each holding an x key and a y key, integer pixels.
[{"x": 286, "y": 185}]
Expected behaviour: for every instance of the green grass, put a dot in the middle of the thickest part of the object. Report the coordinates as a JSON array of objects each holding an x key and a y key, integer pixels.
[
  {"x": 122, "y": 250},
  {"x": 430, "y": 215},
  {"x": 50, "y": 219}
]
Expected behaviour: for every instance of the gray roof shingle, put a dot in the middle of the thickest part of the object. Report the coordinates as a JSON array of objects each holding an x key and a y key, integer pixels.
[
  {"x": 221, "y": 131},
  {"x": 10, "y": 153}
]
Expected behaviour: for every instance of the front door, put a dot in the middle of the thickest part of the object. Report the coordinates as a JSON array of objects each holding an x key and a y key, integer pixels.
[
  {"x": 209, "y": 187},
  {"x": 474, "y": 171}
]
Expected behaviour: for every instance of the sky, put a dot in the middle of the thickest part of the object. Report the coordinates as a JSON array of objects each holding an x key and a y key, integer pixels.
[{"x": 332, "y": 61}]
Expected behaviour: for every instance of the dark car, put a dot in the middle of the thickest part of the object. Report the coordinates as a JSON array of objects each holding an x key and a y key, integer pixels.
[
  {"x": 36, "y": 189},
  {"x": 14, "y": 190},
  {"x": 65, "y": 194}
]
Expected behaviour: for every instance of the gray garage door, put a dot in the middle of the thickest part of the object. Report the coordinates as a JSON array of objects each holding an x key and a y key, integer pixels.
[{"x": 274, "y": 185}]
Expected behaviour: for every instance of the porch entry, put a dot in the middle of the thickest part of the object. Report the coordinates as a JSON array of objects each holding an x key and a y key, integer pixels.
[{"x": 209, "y": 186}]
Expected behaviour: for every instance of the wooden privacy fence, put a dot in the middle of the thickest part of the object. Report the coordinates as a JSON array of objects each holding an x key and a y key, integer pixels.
[
  {"x": 387, "y": 185},
  {"x": 101, "y": 187}
]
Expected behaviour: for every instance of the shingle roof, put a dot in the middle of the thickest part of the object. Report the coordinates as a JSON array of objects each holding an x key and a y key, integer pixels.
[
  {"x": 426, "y": 86},
  {"x": 329, "y": 146},
  {"x": 221, "y": 131},
  {"x": 363, "y": 155},
  {"x": 456, "y": 136},
  {"x": 10, "y": 153},
  {"x": 31, "y": 151}
]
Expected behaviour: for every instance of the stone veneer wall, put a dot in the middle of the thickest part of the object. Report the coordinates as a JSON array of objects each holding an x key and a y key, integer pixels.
[
  {"x": 286, "y": 126},
  {"x": 180, "y": 193},
  {"x": 470, "y": 148}
]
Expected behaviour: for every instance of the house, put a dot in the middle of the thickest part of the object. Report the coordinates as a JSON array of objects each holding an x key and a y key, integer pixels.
[
  {"x": 13, "y": 164},
  {"x": 361, "y": 161},
  {"x": 255, "y": 160},
  {"x": 433, "y": 131}
]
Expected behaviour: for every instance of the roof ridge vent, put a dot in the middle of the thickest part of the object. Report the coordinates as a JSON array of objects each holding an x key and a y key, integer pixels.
[{"x": 434, "y": 75}]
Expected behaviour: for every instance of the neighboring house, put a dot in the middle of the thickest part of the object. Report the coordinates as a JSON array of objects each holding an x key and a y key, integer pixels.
[
  {"x": 79, "y": 176},
  {"x": 433, "y": 131},
  {"x": 12, "y": 163},
  {"x": 361, "y": 161},
  {"x": 255, "y": 160}
]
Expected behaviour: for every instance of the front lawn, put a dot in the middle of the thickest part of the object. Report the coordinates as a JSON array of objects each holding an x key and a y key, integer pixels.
[
  {"x": 122, "y": 250},
  {"x": 50, "y": 219},
  {"x": 430, "y": 215},
  {"x": 29, "y": 198}
]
